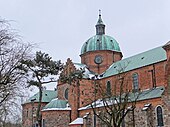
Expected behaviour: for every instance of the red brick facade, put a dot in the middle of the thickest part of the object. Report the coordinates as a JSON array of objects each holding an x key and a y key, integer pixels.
[
  {"x": 55, "y": 118},
  {"x": 108, "y": 57},
  {"x": 82, "y": 92},
  {"x": 29, "y": 113}
]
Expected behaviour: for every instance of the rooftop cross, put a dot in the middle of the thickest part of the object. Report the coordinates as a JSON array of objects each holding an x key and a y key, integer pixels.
[{"x": 99, "y": 12}]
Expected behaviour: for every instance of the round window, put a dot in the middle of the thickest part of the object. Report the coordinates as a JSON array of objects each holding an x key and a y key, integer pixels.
[{"x": 98, "y": 59}]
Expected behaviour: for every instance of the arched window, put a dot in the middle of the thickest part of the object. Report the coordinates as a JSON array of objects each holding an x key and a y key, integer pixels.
[
  {"x": 66, "y": 94},
  {"x": 108, "y": 88},
  {"x": 27, "y": 113},
  {"x": 159, "y": 116},
  {"x": 43, "y": 122},
  {"x": 135, "y": 82}
]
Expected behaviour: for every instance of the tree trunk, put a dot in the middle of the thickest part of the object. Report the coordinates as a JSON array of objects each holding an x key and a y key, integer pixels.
[{"x": 38, "y": 116}]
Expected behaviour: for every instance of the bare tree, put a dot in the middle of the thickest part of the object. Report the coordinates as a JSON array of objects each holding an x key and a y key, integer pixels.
[
  {"x": 12, "y": 79},
  {"x": 111, "y": 105}
]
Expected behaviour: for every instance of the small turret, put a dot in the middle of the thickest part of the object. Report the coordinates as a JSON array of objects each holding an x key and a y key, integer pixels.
[{"x": 100, "y": 27}]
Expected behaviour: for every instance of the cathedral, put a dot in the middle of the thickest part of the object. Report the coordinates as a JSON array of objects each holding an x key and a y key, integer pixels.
[{"x": 107, "y": 88}]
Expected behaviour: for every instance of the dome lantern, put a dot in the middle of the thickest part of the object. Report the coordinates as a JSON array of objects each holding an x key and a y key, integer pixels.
[{"x": 100, "y": 27}]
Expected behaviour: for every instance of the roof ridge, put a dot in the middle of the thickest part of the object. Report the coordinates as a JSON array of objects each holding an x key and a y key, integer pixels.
[
  {"x": 142, "y": 52},
  {"x": 139, "y": 60}
]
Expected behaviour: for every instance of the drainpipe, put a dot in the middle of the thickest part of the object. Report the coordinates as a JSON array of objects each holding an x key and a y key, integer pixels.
[{"x": 153, "y": 76}]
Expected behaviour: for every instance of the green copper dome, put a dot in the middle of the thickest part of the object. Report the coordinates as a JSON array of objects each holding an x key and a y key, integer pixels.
[{"x": 100, "y": 42}]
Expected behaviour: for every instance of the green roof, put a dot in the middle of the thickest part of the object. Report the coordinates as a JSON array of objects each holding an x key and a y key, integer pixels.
[
  {"x": 100, "y": 42},
  {"x": 57, "y": 104},
  {"x": 137, "y": 96},
  {"x": 47, "y": 96},
  {"x": 148, "y": 94},
  {"x": 143, "y": 59}
]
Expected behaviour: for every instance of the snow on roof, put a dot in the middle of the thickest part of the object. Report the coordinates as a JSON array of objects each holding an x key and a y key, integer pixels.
[
  {"x": 77, "y": 121},
  {"x": 85, "y": 70},
  {"x": 143, "y": 95},
  {"x": 85, "y": 116},
  {"x": 147, "y": 105},
  {"x": 99, "y": 103},
  {"x": 144, "y": 108},
  {"x": 53, "y": 109}
]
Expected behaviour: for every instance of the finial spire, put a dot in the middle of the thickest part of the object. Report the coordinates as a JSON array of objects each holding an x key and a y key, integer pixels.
[
  {"x": 100, "y": 27},
  {"x": 100, "y": 18},
  {"x": 99, "y": 12}
]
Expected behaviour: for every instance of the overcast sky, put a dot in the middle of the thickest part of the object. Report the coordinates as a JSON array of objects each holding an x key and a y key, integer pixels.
[{"x": 60, "y": 27}]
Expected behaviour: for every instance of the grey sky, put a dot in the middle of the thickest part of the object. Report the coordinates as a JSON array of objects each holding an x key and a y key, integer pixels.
[{"x": 60, "y": 27}]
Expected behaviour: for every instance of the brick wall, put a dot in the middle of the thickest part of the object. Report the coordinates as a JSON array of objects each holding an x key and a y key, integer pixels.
[
  {"x": 142, "y": 118},
  {"x": 86, "y": 92},
  {"x": 144, "y": 76},
  {"x": 74, "y": 100},
  {"x": 29, "y": 110},
  {"x": 61, "y": 90},
  {"x": 108, "y": 58},
  {"x": 145, "y": 82},
  {"x": 73, "y": 97},
  {"x": 83, "y": 94},
  {"x": 56, "y": 118}
]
